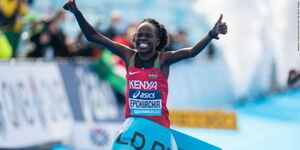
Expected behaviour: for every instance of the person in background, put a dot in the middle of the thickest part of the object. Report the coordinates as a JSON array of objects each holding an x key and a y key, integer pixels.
[
  {"x": 11, "y": 13},
  {"x": 180, "y": 39},
  {"x": 5, "y": 47},
  {"x": 57, "y": 36},
  {"x": 115, "y": 27},
  {"x": 51, "y": 41},
  {"x": 294, "y": 79}
]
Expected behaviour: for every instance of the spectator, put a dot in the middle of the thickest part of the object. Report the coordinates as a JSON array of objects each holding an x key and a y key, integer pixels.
[
  {"x": 58, "y": 38},
  {"x": 125, "y": 40},
  {"x": 11, "y": 12},
  {"x": 51, "y": 41},
  {"x": 82, "y": 48},
  {"x": 294, "y": 79},
  {"x": 180, "y": 39},
  {"x": 115, "y": 27},
  {"x": 5, "y": 47},
  {"x": 41, "y": 41},
  {"x": 211, "y": 51}
]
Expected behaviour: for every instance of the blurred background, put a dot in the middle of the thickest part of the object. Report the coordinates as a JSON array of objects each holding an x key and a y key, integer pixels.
[{"x": 62, "y": 92}]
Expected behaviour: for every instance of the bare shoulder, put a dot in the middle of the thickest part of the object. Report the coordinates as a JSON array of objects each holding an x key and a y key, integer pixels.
[
  {"x": 172, "y": 57},
  {"x": 164, "y": 57},
  {"x": 164, "y": 65},
  {"x": 129, "y": 55}
]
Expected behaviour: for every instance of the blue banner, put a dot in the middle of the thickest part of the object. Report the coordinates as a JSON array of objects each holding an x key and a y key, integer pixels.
[{"x": 143, "y": 134}]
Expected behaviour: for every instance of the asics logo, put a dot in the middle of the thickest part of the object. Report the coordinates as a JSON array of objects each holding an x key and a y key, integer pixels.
[
  {"x": 139, "y": 94},
  {"x": 132, "y": 73},
  {"x": 136, "y": 94}
]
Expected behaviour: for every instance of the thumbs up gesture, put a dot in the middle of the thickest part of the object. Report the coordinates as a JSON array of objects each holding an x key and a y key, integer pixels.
[{"x": 219, "y": 28}]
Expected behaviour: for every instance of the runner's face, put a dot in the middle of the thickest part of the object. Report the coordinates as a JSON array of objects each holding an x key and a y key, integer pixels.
[{"x": 146, "y": 38}]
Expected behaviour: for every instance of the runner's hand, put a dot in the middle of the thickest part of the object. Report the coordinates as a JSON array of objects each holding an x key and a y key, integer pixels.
[
  {"x": 219, "y": 28},
  {"x": 71, "y": 6}
]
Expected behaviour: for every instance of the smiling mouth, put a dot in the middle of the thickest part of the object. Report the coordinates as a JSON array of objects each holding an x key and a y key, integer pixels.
[{"x": 144, "y": 45}]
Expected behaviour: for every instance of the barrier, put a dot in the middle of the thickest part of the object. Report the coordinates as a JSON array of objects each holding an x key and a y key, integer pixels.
[
  {"x": 94, "y": 107},
  {"x": 40, "y": 102},
  {"x": 34, "y": 107},
  {"x": 91, "y": 99},
  {"x": 216, "y": 119},
  {"x": 94, "y": 136}
]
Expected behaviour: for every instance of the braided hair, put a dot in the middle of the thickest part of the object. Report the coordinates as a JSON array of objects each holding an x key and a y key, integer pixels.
[{"x": 162, "y": 33}]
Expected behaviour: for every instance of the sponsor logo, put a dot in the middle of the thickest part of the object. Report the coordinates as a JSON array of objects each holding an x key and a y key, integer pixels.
[
  {"x": 146, "y": 112},
  {"x": 132, "y": 73},
  {"x": 142, "y": 95},
  {"x": 136, "y": 94},
  {"x": 99, "y": 137},
  {"x": 146, "y": 85}
]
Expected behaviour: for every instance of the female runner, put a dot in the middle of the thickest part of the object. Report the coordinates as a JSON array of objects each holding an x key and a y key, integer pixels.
[{"x": 147, "y": 124}]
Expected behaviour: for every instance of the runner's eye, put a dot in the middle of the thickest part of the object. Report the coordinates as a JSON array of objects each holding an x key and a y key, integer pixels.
[
  {"x": 148, "y": 35},
  {"x": 139, "y": 35}
]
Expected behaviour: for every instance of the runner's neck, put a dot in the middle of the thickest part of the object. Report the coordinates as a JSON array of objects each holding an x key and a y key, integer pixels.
[
  {"x": 149, "y": 63},
  {"x": 146, "y": 56}
]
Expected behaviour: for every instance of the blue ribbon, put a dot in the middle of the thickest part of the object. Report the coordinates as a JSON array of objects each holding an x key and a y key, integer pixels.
[{"x": 143, "y": 134}]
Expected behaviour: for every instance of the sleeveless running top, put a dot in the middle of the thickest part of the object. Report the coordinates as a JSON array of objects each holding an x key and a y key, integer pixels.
[{"x": 146, "y": 93}]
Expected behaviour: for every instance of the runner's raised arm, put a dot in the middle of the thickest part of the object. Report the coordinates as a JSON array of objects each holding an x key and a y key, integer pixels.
[
  {"x": 92, "y": 35},
  {"x": 169, "y": 58}
]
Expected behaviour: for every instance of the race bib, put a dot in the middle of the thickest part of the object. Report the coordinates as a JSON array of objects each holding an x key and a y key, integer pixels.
[{"x": 145, "y": 103}]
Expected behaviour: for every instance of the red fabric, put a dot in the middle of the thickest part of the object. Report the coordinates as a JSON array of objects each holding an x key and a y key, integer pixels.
[
  {"x": 153, "y": 75},
  {"x": 122, "y": 40}
]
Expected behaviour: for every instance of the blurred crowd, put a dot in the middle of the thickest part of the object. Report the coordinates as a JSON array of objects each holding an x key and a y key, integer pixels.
[{"x": 26, "y": 34}]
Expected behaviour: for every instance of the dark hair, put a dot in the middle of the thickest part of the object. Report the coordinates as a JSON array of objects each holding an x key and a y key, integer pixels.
[{"x": 161, "y": 33}]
